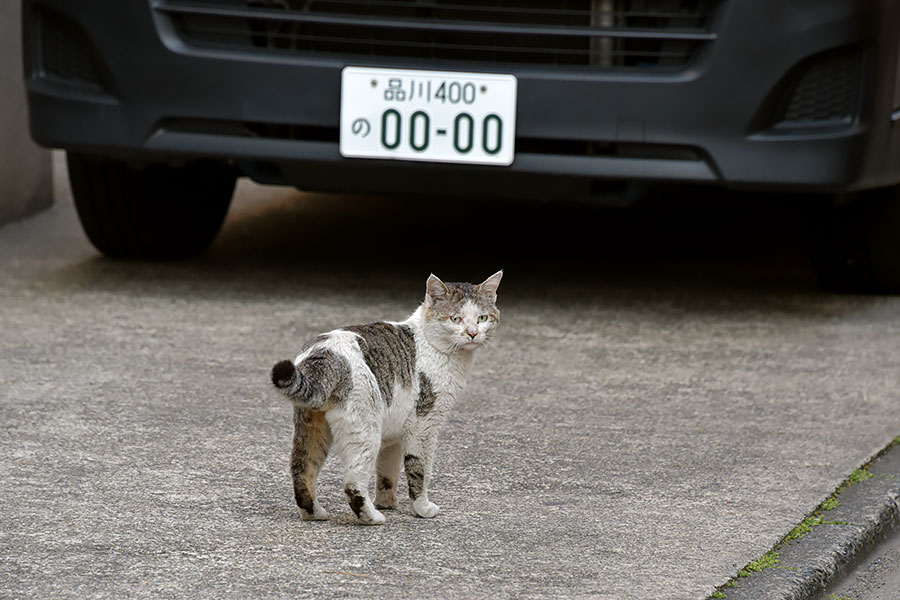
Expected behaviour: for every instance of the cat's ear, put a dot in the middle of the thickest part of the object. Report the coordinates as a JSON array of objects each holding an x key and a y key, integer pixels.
[
  {"x": 490, "y": 285},
  {"x": 435, "y": 288}
]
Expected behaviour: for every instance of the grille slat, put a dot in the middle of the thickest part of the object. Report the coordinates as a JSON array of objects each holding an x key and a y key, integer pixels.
[
  {"x": 497, "y": 9},
  {"x": 630, "y": 34},
  {"x": 212, "y": 31}
]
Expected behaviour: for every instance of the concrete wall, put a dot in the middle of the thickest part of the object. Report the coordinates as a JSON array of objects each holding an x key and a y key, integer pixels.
[{"x": 25, "y": 171}]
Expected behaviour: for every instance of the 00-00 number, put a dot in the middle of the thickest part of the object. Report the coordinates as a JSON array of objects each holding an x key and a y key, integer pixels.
[{"x": 420, "y": 131}]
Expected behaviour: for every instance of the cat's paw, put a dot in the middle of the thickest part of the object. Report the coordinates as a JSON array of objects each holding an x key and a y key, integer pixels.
[
  {"x": 318, "y": 513},
  {"x": 425, "y": 509},
  {"x": 372, "y": 517}
]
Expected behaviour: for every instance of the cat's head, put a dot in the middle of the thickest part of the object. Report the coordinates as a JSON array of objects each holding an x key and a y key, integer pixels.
[{"x": 461, "y": 316}]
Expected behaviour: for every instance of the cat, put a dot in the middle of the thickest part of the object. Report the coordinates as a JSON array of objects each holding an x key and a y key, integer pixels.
[{"x": 378, "y": 393}]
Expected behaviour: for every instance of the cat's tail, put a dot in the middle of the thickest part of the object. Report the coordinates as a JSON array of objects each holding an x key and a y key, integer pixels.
[{"x": 294, "y": 385}]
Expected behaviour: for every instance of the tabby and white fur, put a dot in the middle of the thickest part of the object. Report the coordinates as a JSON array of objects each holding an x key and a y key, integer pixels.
[{"x": 378, "y": 393}]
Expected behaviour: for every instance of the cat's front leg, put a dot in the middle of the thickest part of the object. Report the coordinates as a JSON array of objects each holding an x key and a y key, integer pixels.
[{"x": 418, "y": 458}]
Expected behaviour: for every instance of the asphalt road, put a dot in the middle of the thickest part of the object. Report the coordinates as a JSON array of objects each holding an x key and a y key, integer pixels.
[
  {"x": 667, "y": 396},
  {"x": 876, "y": 578}
]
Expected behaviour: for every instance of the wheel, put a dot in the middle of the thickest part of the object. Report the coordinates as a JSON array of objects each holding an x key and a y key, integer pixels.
[
  {"x": 153, "y": 212},
  {"x": 854, "y": 242}
]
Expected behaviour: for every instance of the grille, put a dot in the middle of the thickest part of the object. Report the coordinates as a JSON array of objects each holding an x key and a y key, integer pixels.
[
  {"x": 625, "y": 34},
  {"x": 826, "y": 91},
  {"x": 283, "y": 131},
  {"x": 65, "y": 53}
]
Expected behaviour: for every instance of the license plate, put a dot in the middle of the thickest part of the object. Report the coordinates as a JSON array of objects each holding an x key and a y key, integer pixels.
[{"x": 439, "y": 116}]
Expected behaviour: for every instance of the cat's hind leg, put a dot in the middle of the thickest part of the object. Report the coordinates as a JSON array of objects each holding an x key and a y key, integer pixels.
[
  {"x": 357, "y": 438},
  {"x": 390, "y": 460},
  {"x": 312, "y": 439}
]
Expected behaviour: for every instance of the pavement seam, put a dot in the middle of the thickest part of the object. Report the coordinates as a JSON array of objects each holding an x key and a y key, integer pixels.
[{"x": 808, "y": 559}]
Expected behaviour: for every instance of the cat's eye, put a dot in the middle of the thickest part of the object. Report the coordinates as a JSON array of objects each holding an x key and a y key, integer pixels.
[
  {"x": 482, "y": 318},
  {"x": 456, "y": 318}
]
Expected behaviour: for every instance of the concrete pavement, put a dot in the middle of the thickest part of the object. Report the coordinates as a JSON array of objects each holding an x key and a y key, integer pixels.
[{"x": 668, "y": 396}]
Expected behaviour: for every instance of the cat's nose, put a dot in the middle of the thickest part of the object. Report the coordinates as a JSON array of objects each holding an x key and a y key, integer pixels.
[{"x": 471, "y": 333}]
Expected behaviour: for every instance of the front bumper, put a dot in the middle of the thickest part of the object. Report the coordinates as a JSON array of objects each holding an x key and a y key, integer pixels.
[{"x": 720, "y": 120}]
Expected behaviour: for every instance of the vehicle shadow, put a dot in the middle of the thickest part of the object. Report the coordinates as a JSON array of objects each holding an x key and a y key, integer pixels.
[
  {"x": 680, "y": 237},
  {"x": 681, "y": 241}
]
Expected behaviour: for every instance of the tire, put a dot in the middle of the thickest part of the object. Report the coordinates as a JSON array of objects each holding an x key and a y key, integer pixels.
[
  {"x": 854, "y": 242},
  {"x": 153, "y": 212}
]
